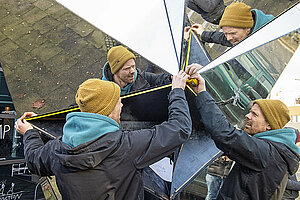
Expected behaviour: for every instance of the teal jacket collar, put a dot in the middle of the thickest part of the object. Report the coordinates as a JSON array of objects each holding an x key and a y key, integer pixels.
[
  {"x": 82, "y": 127},
  {"x": 285, "y": 136},
  {"x": 261, "y": 19}
]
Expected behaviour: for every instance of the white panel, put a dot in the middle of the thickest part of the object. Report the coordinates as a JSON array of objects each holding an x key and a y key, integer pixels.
[
  {"x": 287, "y": 87},
  {"x": 175, "y": 10},
  {"x": 140, "y": 25}
]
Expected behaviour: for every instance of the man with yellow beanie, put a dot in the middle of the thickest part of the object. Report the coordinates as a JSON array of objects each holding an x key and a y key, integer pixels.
[
  {"x": 94, "y": 159},
  {"x": 264, "y": 152},
  {"x": 120, "y": 68},
  {"x": 237, "y": 22}
]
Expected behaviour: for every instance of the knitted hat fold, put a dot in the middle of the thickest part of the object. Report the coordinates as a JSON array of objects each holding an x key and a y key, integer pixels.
[
  {"x": 97, "y": 96},
  {"x": 237, "y": 15},
  {"x": 117, "y": 56}
]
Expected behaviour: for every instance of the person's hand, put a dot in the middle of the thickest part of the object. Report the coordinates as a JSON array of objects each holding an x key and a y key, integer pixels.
[
  {"x": 22, "y": 125},
  {"x": 192, "y": 70},
  {"x": 186, "y": 33},
  {"x": 198, "y": 28},
  {"x": 179, "y": 80}
]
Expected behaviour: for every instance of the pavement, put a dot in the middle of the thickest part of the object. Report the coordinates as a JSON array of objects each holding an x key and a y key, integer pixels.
[{"x": 46, "y": 51}]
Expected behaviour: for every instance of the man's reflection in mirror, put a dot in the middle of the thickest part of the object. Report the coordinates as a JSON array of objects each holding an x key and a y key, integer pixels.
[
  {"x": 237, "y": 22},
  {"x": 121, "y": 68}
]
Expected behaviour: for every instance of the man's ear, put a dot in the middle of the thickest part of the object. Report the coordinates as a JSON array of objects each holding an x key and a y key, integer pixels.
[{"x": 269, "y": 127}]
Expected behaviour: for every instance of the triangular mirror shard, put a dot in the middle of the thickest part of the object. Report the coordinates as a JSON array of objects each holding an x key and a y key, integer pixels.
[
  {"x": 278, "y": 27},
  {"x": 199, "y": 151},
  {"x": 195, "y": 156},
  {"x": 148, "y": 28},
  {"x": 195, "y": 52}
]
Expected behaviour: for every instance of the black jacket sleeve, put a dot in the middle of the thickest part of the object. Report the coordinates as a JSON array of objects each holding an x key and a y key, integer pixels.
[
  {"x": 37, "y": 155},
  {"x": 205, "y": 5},
  {"x": 236, "y": 144},
  {"x": 157, "y": 79},
  {"x": 150, "y": 145},
  {"x": 210, "y": 10},
  {"x": 215, "y": 37}
]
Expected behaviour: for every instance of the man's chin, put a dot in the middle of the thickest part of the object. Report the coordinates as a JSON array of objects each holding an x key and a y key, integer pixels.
[
  {"x": 247, "y": 130},
  {"x": 234, "y": 43},
  {"x": 131, "y": 80}
]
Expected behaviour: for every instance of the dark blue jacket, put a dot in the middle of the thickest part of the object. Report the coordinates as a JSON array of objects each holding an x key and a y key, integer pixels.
[
  {"x": 260, "y": 164},
  {"x": 110, "y": 166}
]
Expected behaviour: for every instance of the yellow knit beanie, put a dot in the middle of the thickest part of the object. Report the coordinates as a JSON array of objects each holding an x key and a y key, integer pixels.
[
  {"x": 237, "y": 15},
  {"x": 275, "y": 112},
  {"x": 117, "y": 56},
  {"x": 97, "y": 96}
]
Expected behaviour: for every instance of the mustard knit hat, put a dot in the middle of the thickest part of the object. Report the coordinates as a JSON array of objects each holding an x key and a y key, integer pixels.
[
  {"x": 97, "y": 96},
  {"x": 117, "y": 56},
  {"x": 237, "y": 15},
  {"x": 275, "y": 112}
]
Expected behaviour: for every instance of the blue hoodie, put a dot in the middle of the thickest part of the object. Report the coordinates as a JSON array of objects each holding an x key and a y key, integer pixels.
[
  {"x": 82, "y": 127},
  {"x": 261, "y": 19},
  {"x": 285, "y": 136}
]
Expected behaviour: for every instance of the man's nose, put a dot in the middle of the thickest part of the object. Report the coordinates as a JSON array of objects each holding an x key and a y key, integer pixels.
[
  {"x": 247, "y": 116},
  {"x": 229, "y": 37},
  {"x": 132, "y": 70}
]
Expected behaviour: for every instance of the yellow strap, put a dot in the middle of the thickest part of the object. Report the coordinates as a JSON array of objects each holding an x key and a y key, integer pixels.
[
  {"x": 54, "y": 113},
  {"x": 145, "y": 91},
  {"x": 188, "y": 52}
]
